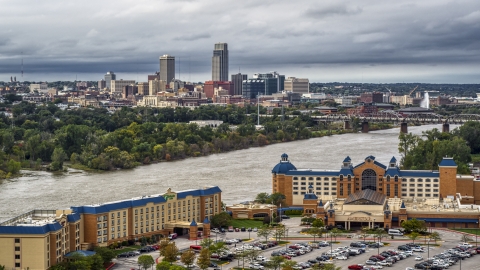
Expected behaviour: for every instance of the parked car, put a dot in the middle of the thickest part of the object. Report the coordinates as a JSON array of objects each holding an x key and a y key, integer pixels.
[
  {"x": 355, "y": 267},
  {"x": 285, "y": 217},
  {"x": 418, "y": 258}
]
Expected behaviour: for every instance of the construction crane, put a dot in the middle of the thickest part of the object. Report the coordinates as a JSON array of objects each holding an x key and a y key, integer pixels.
[{"x": 413, "y": 90}]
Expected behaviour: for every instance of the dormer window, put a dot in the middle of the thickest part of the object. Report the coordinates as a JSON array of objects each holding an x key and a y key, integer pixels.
[
  {"x": 346, "y": 164},
  {"x": 341, "y": 177},
  {"x": 388, "y": 178}
]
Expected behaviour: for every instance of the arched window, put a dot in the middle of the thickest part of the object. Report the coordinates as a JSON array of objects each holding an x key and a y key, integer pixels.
[
  {"x": 341, "y": 177},
  {"x": 369, "y": 179},
  {"x": 388, "y": 178},
  {"x": 326, "y": 178},
  {"x": 396, "y": 178},
  {"x": 295, "y": 178},
  {"x": 303, "y": 178},
  {"x": 349, "y": 177},
  {"x": 310, "y": 178}
]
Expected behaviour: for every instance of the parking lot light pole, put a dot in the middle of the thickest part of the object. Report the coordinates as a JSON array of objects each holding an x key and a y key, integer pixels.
[{"x": 476, "y": 235}]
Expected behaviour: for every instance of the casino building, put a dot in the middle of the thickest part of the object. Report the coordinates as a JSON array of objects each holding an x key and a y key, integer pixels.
[
  {"x": 40, "y": 239},
  {"x": 373, "y": 194}
]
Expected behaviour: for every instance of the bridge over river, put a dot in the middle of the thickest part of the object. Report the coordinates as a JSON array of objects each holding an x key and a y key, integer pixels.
[{"x": 396, "y": 118}]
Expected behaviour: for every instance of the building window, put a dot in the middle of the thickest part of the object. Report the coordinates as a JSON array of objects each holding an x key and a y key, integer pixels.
[
  {"x": 427, "y": 180},
  {"x": 404, "y": 194},
  {"x": 326, "y": 178},
  {"x": 325, "y": 188},
  {"x": 334, "y": 193},
  {"x": 427, "y": 190},
  {"x": 319, "y": 193},
  {"x": 295, "y": 183},
  {"x": 334, "y": 178},
  {"x": 325, "y": 193},
  {"x": 419, "y": 185},
  {"x": 369, "y": 180},
  {"x": 303, "y": 178},
  {"x": 404, "y": 179},
  {"x": 17, "y": 264},
  {"x": 310, "y": 183},
  {"x": 435, "y": 180},
  {"x": 317, "y": 188},
  {"x": 295, "y": 188},
  {"x": 435, "y": 185},
  {"x": 303, "y": 183},
  {"x": 388, "y": 178},
  {"x": 334, "y": 188},
  {"x": 404, "y": 185},
  {"x": 412, "y": 185},
  {"x": 427, "y": 185},
  {"x": 303, "y": 188},
  {"x": 388, "y": 190},
  {"x": 295, "y": 193},
  {"x": 396, "y": 178},
  {"x": 17, "y": 240},
  {"x": 419, "y": 195},
  {"x": 435, "y": 195},
  {"x": 435, "y": 190},
  {"x": 302, "y": 193},
  {"x": 17, "y": 257},
  {"x": 412, "y": 190},
  {"x": 310, "y": 178},
  {"x": 319, "y": 183},
  {"x": 341, "y": 177},
  {"x": 295, "y": 178},
  {"x": 420, "y": 190},
  {"x": 396, "y": 191},
  {"x": 419, "y": 180},
  {"x": 17, "y": 248},
  {"x": 349, "y": 177},
  {"x": 427, "y": 195}
]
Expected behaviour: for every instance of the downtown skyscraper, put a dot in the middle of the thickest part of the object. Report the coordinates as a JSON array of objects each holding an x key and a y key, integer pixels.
[
  {"x": 167, "y": 68},
  {"x": 220, "y": 62}
]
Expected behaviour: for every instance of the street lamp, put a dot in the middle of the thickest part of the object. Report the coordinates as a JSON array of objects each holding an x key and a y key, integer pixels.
[{"x": 286, "y": 245}]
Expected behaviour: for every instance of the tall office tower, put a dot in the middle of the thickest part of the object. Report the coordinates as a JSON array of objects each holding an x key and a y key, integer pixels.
[
  {"x": 274, "y": 82},
  {"x": 237, "y": 80},
  {"x": 109, "y": 77},
  {"x": 220, "y": 62},
  {"x": 167, "y": 68}
]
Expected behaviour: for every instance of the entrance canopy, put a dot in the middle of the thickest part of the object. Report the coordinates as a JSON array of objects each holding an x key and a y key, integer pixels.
[{"x": 366, "y": 197}]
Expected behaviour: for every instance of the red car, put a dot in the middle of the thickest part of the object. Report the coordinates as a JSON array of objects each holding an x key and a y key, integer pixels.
[
  {"x": 287, "y": 257},
  {"x": 355, "y": 267},
  {"x": 156, "y": 247}
]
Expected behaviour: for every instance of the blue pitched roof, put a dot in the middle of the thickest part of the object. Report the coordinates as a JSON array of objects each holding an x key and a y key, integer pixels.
[
  {"x": 107, "y": 207},
  {"x": 284, "y": 155},
  {"x": 193, "y": 223},
  {"x": 283, "y": 167},
  {"x": 30, "y": 229},
  {"x": 393, "y": 160},
  {"x": 374, "y": 162},
  {"x": 73, "y": 217},
  {"x": 320, "y": 203},
  {"x": 419, "y": 173},
  {"x": 310, "y": 186},
  {"x": 392, "y": 171},
  {"x": 347, "y": 159},
  {"x": 403, "y": 205},
  {"x": 314, "y": 173},
  {"x": 449, "y": 162},
  {"x": 206, "y": 221},
  {"x": 370, "y": 157},
  {"x": 310, "y": 196},
  {"x": 198, "y": 192}
]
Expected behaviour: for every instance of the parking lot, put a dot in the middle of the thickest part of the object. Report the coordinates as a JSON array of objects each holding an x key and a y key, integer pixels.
[{"x": 449, "y": 240}]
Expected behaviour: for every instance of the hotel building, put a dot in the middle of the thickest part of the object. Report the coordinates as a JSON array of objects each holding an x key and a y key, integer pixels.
[
  {"x": 372, "y": 193},
  {"x": 40, "y": 239}
]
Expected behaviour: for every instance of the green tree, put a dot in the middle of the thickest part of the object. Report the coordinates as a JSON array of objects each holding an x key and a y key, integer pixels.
[
  {"x": 275, "y": 263},
  {"x": 203, "y": 260},
  {"x": 58, "y": 157},
  {"x": 435, "y": 236},
  {"x": 146, "y": 261},
  {"x": 169, "y": 252},
  {"x": 335, "y": 233},
  {"x": 188, "y": 257},
  {"x": 107, "y": 254},
  {"x": 277, "y": 199},
  {"x": 164, "y": 265},
  {"x": 288, "y": 265},
  {"x": 331, "y": 266},
  {"x": 318, "y": 223},
  {"x": 222, "y": 219},
  {"x": 414, "y": 225},
  {"x": 13, "y": 166},
  {"x": 315, "y": 232},
  {"x": 262, "y": 197},
  {"x": 265, "y": 232},
  {"x": 365, "y": 231},
  {"x": 413, "y": 236}
]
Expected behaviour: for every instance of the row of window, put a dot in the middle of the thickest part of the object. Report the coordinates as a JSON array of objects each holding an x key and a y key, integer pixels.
[
  {"x": 419, "y": 195},
  {"x": 311, "y": 183},
  {"x": 349, "y": 178},
  {"x": 318, "y": 188},
  {"x": 317, "y": 193}
]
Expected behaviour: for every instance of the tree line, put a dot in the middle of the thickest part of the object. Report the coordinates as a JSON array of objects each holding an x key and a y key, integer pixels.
[
  {"x": 424, "y": 152},
  {"x": 97, "y": 139}
]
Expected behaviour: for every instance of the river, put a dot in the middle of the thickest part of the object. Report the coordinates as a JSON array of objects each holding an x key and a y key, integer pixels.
[{"x": 240, "y": 174}]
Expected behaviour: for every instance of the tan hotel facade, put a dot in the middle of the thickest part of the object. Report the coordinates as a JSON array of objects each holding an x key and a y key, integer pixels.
[
  {"x": 40, "y": 239},
  {"x": 373, "y": 193}
]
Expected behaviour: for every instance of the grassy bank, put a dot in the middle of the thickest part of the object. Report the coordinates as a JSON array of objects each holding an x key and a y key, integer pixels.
[{"x": 247, "y": 223}]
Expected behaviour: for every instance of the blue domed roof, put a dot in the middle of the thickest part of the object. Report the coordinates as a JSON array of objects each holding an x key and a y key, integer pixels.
[{"x": 284, "y": 165}]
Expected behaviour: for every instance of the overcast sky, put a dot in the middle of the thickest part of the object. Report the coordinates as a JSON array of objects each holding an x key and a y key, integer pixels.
[{"x": 350, "y": 41}]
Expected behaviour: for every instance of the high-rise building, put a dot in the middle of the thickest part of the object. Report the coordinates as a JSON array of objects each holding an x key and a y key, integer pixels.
[
  {"x": 102, "y": 84},
  {"x": 220, "y": 62},
  {"x": 274, "y": 82},
  {"x": 237, "y": 80},
  {"x": 209, "y": 87},
  {"x": 251, "y": 88},
  {"x": 297, "y": 85},
  {"x": 117, "y": 86},
  {"x": 109, "y": 77},
  {"x": 167, "y": 68},
  {"x": 143, "y": 88}
]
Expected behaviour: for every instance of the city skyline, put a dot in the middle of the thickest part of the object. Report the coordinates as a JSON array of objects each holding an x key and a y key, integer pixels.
[{"x": 373, "y": 41}]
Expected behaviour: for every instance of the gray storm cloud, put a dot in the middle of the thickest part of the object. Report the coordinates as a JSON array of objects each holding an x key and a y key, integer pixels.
[{"x": 324, "y": 40}]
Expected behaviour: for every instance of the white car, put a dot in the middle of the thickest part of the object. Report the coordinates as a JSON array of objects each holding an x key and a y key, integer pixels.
[
  {"x": 384, "y": 263},
  {"x": 255, "y": 266},
  {"x": 255, "y": 229},
  {"x": 376, "y": 266},
  {"x": 466, "y": 245},
  {"x": 341, "y": 257},
  {"x": 418, "y": 258},
  {"x": 260, "y": 258},
  {"x": 418, "y": 249}
]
